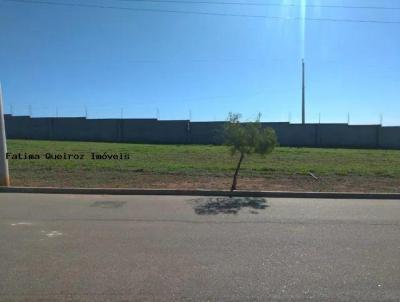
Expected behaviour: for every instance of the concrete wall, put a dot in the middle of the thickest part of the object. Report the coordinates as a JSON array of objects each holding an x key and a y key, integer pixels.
[
  {"x": 294, "y": 134},
  {"x": 389, "y": 137},
  {"x": 186, "y": 132},
  {"x": 206, "y": 132},
  {"x": 17, "y": 126},
  {"x": 154, "y": 131},
  {"x": 343, "y": 135},
  {"x": 69, "y": 129}
]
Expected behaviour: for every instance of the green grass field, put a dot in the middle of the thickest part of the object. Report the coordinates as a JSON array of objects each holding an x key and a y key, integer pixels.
[{"x": 191, "y": 161}]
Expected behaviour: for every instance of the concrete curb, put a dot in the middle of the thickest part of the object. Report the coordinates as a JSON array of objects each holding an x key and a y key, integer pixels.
[{"x": 122, "y": 191}]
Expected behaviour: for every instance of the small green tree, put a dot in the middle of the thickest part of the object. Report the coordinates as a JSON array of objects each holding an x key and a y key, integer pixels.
[{"x": 247, "y": 138}]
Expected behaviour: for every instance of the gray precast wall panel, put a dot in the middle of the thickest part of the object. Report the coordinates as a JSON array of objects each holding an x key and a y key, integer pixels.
[
  {"x": 139, "y": 130},
  {"x": 173, "y": 132},
  {"x": 155, "y": 131},
  {"x": 40, "y": 128},
  {"x": 332, "y": 135},
  {"x": 297, "y": 135},
  {"x": 70, "y": 128},
  {"x": 11, "y": 128},
  {"x": 103, "y": 130},
  {"x": 280, "y": 130},
  {"x": 302, "y": 135},
  {"x": 389, "y": 137},
  {"x": 366, "y": 136},
  {"x": 206, "y": 132},
  {"x": 343, "y": 135},
  {"x": 17, "y": 126}
]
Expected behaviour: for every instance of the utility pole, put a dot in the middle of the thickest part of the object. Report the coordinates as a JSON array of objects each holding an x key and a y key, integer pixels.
[
  {"x": 303, "y": 96},
  {"x": 348, "y": 118},
  {"x": 30, "y": 110},
  {"x": 319, "y": 118},
  {"x": 4, "y": 176}
]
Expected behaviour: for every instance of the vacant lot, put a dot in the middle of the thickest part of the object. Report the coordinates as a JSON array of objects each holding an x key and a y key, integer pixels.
[{"x": 195, "y": 166}]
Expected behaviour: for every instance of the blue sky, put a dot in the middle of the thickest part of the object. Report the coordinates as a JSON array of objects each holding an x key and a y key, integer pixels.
[{"x": 57, "y": 58}]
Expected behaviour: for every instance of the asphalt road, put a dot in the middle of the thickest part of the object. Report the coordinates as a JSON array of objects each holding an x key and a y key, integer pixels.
[{"x": 151, "y": 248}]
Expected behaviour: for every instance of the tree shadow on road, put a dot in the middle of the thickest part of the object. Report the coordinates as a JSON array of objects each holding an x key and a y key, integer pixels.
[{"x": 228, "y": 205}]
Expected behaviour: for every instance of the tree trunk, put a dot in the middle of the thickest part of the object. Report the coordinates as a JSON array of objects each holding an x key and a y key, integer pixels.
[{"x": 237, "y": 172}]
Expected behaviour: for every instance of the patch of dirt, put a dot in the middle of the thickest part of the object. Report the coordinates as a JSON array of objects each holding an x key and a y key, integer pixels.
[{"x": 131, "y": 179}]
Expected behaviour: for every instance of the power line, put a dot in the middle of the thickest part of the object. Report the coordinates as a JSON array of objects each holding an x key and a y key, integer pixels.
[
  {"x": 264, "y": 4},
  {"x": 200, "y": 13}
]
